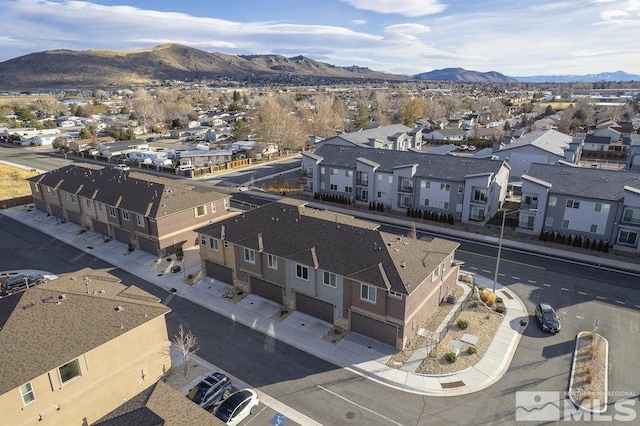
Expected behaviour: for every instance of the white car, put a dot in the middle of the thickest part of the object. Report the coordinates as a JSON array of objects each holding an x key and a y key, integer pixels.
[
  {"x": 242, "y": 188},
  {"x": 471, "y": 148},
  {"x": 238, "y": 407},
  {"x": 122, "y": 167}
]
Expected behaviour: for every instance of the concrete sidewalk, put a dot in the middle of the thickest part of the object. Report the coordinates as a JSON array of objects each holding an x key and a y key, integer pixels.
[{"x": 355, "y": 352}]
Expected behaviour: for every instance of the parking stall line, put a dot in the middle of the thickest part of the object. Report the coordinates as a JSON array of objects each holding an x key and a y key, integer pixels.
[
  {"x": 601, "y": 298},
  {"x": 532, "y": 281},
  {"x": 564, "y": 289},
  {"x": 488, "y": 272},
  {"x": 515, "y": 278},
  {"x": 502, "y": 275},
  {"x": 620, "y": 302},
  {"x": 547, "y": 285},
  {"x": 359, "y": 406},
  {"x": 582, "y": 293}
]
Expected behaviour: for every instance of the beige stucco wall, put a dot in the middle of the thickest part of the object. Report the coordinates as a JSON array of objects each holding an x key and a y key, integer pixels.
[{"x": 111, "y": 374}]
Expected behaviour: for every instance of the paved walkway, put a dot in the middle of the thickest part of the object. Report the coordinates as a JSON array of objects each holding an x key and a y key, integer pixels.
[{"x": 355, "y": 352}]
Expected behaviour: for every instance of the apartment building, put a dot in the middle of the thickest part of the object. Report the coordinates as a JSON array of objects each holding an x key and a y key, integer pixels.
[
  {"x": 151, "y": 213},
  {"x": 333, "y": 267},
  {"x": 470, "y": 189}
]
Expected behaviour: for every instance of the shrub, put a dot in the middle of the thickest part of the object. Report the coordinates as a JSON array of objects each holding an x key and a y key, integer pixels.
[
  {"x": 500, "y": 308},
  {"x": 463, "y": 324},
  {"x": 588, "y": 377},
  {"x": 488, "y": 297},
  {"x": 471, "y": 350},
  {"x": 451, "y": 357},
  {"x": 475, "y": 304},
  {"x": 592, "y": 349}
]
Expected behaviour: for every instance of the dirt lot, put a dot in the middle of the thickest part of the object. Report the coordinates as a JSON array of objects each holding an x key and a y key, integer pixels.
[{"x": 13, "y": 182}]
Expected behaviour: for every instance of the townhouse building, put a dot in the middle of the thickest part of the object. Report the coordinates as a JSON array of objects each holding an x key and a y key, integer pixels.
[
  {"x": 470, "y": 189},
  {"x": 396, "y": 137},
  {"x": 151, "y": 213},
  {"x": 582, "y": 202},
  {"x": 75, "y": 348},
  {"x": 333, "y": 267}
]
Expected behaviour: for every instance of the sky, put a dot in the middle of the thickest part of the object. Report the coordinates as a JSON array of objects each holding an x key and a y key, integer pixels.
[{"x": 513, "y": 37}]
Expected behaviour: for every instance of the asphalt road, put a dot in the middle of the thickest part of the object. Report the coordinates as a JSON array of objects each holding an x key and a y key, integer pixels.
[{"x": 337, "y": 396}]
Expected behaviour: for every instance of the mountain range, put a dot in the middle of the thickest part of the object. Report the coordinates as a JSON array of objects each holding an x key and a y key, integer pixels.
[{"x": 60, "y": 69}]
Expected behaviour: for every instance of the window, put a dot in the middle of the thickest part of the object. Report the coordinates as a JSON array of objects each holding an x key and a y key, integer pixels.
[
  {"x": 379, "y": 194},
  {"x": 348, "y": 173},
  {"x": 213, "y": 244},
  {"x": 200, "y": 211},
  {"x": 458, "y": 207},
  {"x": 87, "y": 202},
  {"x": 27, "y": 393},
  {"x": 69, "y": 371},
  {"x": 443, "y": 205},
  {"x": 460, "y": 189},
  {"x": 548, "y": 221},
  {"x": 628, "y": 237},
  {"x": 321, "y": 170},
  {"x": 333, "y": 187},
  {"x": 553, "y": 201},
  {"x": 405, "y": 201},
  {"x": 272, "y": 261},
  {"x": 395, "y": 294},
  {"x": 73, "y": 198},
  {"x": 573, "y": 204},
  {"x": 302, "y": 272},
  {"x": 425, "y": 184},
  {"x": 226, "y": 204},
  {"x": 213, "y": 207},
  {"x": 445, "y": 187},
  {"x": 406, "y": 184},
  {"x": 631, "y": 216},
  {"x": 389, "y": 179},
  {"x": 477, "y": 213},
  {"x": 125, "y": 214},
  {"x": 140, "y": 220},
  {"x": 597, "y": 229},
  {"x": 112, "y": 211},
  {"x": 348, "y": 189},
  {"x": 322, "y": 185},
  {"x": 330, "y": 279},
  {"x": 436, "y": 273},
  {"x": 569, "y": 224},
  {"x": 101, "y": 207},
  {"x": 527, "y": 221},
  {"x": 368, "y": 292},
  {"x": 603, "y": 208},
  {"x": 334, "y": 171},
  {"x": 362, "y": 178},
  {"x": 479, "y": 195},
  {"x": 203, "y": 240},
  {"x": 249, "y": 255},
  {"x": 425, "y": 202}
]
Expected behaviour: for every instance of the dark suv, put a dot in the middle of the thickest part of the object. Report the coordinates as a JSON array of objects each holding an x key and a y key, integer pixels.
[
  {"x": 210, "y": 390},
  {"x": 548, "y": 318},
  {"x": 20, "y": 282}
]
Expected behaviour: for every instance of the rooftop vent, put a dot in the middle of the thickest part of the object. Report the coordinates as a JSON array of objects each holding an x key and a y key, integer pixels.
[{"x": 119, "y": 308}]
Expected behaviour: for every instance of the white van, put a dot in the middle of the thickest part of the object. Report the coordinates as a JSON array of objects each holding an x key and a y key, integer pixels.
[{"x": 185, "y": 167}]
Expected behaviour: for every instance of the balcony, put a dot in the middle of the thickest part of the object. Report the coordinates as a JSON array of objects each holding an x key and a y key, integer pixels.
[{"x": 406, "y": 187}]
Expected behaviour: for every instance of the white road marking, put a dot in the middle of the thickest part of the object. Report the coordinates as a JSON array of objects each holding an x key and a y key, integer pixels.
[
  {"x": 564, "y": 289},
  {"x": 620, "y": 302},
  {"x": 516, "y": 278},
  {"x": 532, "y": 281},
  {"x": 484, "y": 270},
  {"x": 359, "y": 406},
  {"x": 502, "y": 275},
  {"x": 473, "y": 267},
  {"x": 601, "y": 298},
  {"x": 547, "y": 285},
  {"x": 582, "y": 293}
]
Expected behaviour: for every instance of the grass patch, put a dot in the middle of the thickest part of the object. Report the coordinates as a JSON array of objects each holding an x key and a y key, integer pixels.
[{"x": 13, "y": 182}]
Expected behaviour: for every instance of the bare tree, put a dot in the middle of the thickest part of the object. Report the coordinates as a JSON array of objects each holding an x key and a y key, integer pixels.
[
  {"x": 412, "y": 109},
  {"x": 323, "y": 121},
  {"x": 48, "y": 104},
  {"x": 186, "y": 344},
  {"x": 381, "y": 107},
  {"x": 277, "y": 123}
]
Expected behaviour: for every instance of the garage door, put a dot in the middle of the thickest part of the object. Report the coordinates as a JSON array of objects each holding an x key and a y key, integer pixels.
[
  {"x": 57, "y": 211},
  {"x": 219, "y": 272},
  {"x": 314, "y": 307},
  {"x": 267, "y": 290},
  {"x": 122, "y": 235},
  {"x": 373, "y": 328},
  {"x": 100, "y": 227},
  {"x": 74, "y": 217},
  {"x": 148, "y": 245}
]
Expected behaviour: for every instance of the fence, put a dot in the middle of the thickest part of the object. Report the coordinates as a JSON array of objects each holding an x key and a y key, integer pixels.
[
  {"x": 433, "y": 338},
  {"x": 15, "y": 202}
]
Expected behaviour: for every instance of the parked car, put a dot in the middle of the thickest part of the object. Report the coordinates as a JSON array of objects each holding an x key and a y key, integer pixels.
[
  {"x": 20, "y": 282},
  {"x": 122, "y": 167},
  {"x": 237, "y": 407},
  {"x": 548, "y": 318},
  {"x": 471, "y": 148},
  {"x": 242, "y": 188},
  {"x": 210, "y": 390}
]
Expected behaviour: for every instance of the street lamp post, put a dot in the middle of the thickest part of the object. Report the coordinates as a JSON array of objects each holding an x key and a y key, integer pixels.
[{"x": 495, "y": 276}]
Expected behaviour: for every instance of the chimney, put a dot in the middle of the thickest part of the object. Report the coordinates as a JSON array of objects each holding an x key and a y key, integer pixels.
[
  {"x": 260, "y": 243},
  {"x": 372, "y": 142},
  {"x": 222, "y": 233}
]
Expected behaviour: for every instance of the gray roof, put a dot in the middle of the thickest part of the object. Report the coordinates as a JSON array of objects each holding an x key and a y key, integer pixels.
[
  {"x": 382, "y": 133},
  {"x": 39, "y": 334},
  {"x": 449, "y": 132},
  {"x": 548, "y": 140},
  {"x": 441, "y": 167},
  {"x": 602, "y": 140},
  {"x": 585, "y": 182},
  {"x": 351, "y": 248},
  {"x": 148, "y": 195}
]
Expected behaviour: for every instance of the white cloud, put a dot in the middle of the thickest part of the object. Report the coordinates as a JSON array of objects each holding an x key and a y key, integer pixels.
[
  {"x": 358, "y": 21},
  {"x": 407, "y": 29},
  {"x": 608, "y": 15},
  {"x": 411, "y": 8}
]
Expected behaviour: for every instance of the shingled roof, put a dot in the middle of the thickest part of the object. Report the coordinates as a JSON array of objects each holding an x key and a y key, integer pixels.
[
  {"x": 339, "y": 244},
  {"x": 441, "y": 167},
  {"x": 584, "y": 182},
  {"x": 51, "y": 324},
  {"x": 148, "y": 195}
]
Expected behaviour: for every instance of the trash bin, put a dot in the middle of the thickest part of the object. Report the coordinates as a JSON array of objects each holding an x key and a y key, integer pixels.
[{"x": 452, "y": 298}]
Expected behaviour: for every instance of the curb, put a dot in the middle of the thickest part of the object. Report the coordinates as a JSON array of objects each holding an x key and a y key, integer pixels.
[{"x": 604, "y": 402}]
